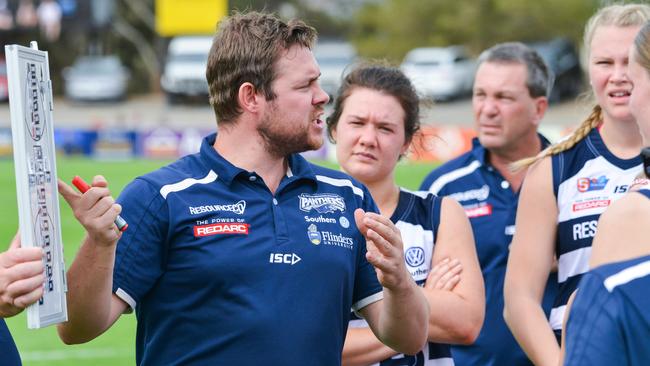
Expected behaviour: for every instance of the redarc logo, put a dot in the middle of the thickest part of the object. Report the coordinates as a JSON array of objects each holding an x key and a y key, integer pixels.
[
  {"x": 590, "y": 204},
  {"x": 478, "y": 211},
  {"x": 221, "y": 228},
  {"x": 284, "y": 258}
]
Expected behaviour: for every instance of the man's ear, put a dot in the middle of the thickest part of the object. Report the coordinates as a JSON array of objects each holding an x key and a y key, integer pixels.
[
  {"x": 541, "y": 105},
  {"x": 248, "y": 98}
]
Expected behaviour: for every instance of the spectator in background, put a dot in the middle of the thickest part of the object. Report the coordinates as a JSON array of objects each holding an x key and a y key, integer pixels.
[
  {"x": 509, "y": 101},
  {"x": 26, "y": 14},
  {"x": 6, "y": 18},
  {"x": 49, "y": 19},
  {"x": 21, "y": 284},
  {"x": 571, "y": 184},
  {"x": 375, "y": 116}
]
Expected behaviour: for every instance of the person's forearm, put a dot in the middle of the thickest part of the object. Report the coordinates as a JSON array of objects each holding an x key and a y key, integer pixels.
[
  {"x": 528, "y": 324},
  {"x": 404, "y": 319},
  {"x": 89, "y": 293},
  {"x": 362, "y": 348},
  {"x": 462, "y": 328}
]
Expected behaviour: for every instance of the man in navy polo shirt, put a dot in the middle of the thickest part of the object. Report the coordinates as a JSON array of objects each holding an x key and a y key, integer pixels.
[
  {"x": 21, "y": 284},
  {"x": 509, "y": 101},
  {"x": 245, "y": 253}
]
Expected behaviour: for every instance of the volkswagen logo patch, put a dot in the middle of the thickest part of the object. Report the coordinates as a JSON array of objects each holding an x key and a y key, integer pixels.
[{"x": 414, "y": 256}]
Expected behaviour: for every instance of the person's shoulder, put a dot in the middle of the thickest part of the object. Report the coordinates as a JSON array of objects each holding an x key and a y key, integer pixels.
[
  {"x": 419, "y": 200},
  {"x": 337, "y": 178},
  {"x": 541, "y": 167},
  {"x": 419, "y": 195},
  {"x": 616, "y": 275},
  {"x": 451, "y": 170},
  {"x": 632, "y": 208},
  {"x": 458, "y": 162},
  {"x": 624, "y": 221},
  {"x": 188, "y": 167}
]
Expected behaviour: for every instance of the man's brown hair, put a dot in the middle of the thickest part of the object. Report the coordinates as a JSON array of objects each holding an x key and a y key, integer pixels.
[{"x": 245, "y": 49}]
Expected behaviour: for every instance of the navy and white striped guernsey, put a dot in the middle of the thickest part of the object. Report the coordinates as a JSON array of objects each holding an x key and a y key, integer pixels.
[
  {"x": 220, "y": 271},
  {"x": 418, "y": 217},
  {"x": 586, "y": 180},
  {"x": 491, "y": 206},
  {"x": 609, "y": 321},
  {"x": 8, "y": 351}
]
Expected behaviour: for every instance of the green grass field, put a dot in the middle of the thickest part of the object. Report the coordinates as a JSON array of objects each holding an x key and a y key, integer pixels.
[{"x": 117, "y": 346}]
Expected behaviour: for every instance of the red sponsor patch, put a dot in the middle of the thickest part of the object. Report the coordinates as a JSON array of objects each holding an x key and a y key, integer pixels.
[
  {"x": 590, "y": 204},
  {"x": 479, "y": 211},
  {"x": 221, "y": 228}
]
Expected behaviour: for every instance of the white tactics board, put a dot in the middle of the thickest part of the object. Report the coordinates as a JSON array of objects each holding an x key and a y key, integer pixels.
[{"x": 30, "y": 103}]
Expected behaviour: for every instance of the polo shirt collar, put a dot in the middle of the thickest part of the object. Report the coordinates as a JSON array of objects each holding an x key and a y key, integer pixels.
[
  {"x": 480, "y": 153},
  {"x": 227, "y": 172}
]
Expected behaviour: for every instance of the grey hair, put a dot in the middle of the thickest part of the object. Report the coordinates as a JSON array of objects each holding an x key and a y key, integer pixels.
[{"x": 540, "y": 77}]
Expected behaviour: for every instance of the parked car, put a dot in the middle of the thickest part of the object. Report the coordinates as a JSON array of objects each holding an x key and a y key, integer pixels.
[
  {"x": 562, "y": 59},
  {"x": 184, "y": 73},
  {"x": 4, "y": 83},
  {"x": 440, "y": 73},
  {"x": 96, "y": 78},
  {"x": 334, "y": 59}
]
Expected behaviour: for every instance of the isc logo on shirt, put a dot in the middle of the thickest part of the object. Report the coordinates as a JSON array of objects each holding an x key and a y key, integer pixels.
[
  {"x": 285, "y": 258},
  {"x": 221, "y": 228}
]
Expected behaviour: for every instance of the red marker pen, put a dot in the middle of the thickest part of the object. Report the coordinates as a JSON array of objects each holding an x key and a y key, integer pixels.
[{"x": 83, "y": 187}]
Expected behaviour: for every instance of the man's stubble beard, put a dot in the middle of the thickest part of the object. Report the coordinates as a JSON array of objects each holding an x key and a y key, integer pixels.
[{"x": 280, "y": 140}]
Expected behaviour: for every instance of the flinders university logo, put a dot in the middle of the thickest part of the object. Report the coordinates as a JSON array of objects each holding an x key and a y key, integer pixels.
[
  {"x": 322, "y": 203},
  {"x": 313, "y": 234}
]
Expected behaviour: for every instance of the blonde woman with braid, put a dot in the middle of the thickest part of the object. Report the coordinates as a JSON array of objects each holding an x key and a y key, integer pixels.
[
  {"x": 609, "y": 321},
  {"x": 570, "y": 184}
]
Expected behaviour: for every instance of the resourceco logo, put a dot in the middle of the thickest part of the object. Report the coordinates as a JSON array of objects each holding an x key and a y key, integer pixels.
[
  {"x": 238, "y": 208},
  {"x": 322, "y": 203},
  {"x": 480, "y": 194}
]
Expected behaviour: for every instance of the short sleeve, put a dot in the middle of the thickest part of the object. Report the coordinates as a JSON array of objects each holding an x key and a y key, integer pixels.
[{"x": 141, "y": 251}]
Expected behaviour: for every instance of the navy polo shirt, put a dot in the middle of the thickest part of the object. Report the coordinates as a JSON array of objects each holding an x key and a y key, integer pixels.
[
  {"x": 609, "y": 322},
  {"x": 220, "y": 271},
  {"x": 8, "y": 352},
  {"x": 491, "y": 205}
]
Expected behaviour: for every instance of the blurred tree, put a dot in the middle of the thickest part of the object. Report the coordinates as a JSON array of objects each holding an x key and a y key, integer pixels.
[{"x": 391, "y": 28}]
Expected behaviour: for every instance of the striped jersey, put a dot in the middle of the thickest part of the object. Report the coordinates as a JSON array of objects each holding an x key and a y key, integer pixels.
[
  {"x": 609, "y": 322},
  {"x": 586, "y": 180},
  {"x": 491, "y": 205},
  {"x": 417, "y": 216},
  {"x": 220, "y": 271}
]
